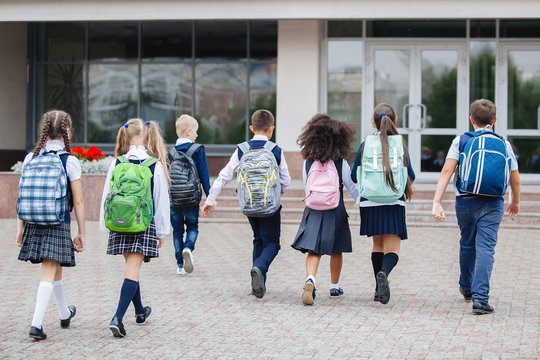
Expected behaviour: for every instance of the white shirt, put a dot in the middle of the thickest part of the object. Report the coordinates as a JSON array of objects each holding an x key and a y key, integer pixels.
[
  {"x": 351, "y": 187},
  {"x": 73, "y": 166},
  {"x": 181, "y": 141},
  {"x": 227, "y": 173},
  {"x": 160, "y": 193}
]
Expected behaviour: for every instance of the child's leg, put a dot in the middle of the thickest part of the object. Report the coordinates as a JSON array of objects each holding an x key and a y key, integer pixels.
[
  {"x": 391, "y": 244},
  {"x": 59, "y": 297},
  {"x": 192, "y": 226},
  {"x": 466, "y": 213},
  {"x": 177, "y": 222},
  {"x": 486, "y": 239},
  {"x": 45, "y": 289},
  {"x": 131, "y": 283},
  {"x": 336, "y": 263},
  {"x": 257, "y": 240},
  {"x": 377, "y": 254},
  {"x": 312, "y": 264},
  {"x": 269, "y": 230}
]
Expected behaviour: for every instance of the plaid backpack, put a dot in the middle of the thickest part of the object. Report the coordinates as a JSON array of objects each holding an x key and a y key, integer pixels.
[
  {"x": 258, "y": 188},
  {"x": 43, "y": 189}
]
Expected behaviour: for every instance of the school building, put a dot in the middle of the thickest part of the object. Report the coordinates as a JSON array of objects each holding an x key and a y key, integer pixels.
[{"x": 219, "y": 60}]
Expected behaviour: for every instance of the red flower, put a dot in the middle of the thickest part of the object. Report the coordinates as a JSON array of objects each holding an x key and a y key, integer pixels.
[{"x": 91, "y": 154}]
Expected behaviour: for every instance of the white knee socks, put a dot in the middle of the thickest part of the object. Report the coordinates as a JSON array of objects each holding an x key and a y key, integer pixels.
[
  {"x": 58, "y": 292},
  {"x": 42, "y": 300}
]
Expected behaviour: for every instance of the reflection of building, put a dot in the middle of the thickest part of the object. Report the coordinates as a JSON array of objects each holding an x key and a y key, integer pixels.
[{"x": 339, "y": 57}]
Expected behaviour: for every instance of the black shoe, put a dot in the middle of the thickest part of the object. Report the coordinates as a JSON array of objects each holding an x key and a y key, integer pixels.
[
  {"x": 64, "y": 324},
  {"x": 140, "y": 319},
  {"x": 480, "y": 308},
  {"x": 376, "y": 297},
  {"x": 37, "y": 334},
  {"x": 467, "y": 294},
  {"x": 383, "y": 290},
  {"x": 335, "y": 293},
  {"x": 257, "y": 283},
  {"x": 117, "y": 327}
]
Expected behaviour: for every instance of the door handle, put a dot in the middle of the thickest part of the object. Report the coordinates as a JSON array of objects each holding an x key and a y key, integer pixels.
[
  {"x": 406, "y": 117},
  {"x": 424, "y": 115}
]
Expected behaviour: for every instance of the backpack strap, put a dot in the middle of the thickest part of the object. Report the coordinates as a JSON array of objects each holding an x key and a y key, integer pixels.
[
  {"x": 463, "y": 140},
  {"x": 122, "y": 159},
  {"x": 149, "y": 162},
  {"x": 244, "y": 147},
  {"x": 191, "y": 150},
  {"x": 173, "y": 153},
  {"x": 269, "y": 145}
]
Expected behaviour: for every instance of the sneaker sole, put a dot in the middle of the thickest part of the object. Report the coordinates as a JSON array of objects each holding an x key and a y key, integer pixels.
[
  {"x": 307, "y": 297},
  {"x": 146, "y": 318},
  {"x": 188, "y": 264},
  {"x": 383, "y": 290},
  {"x": 36, "y": 337},
  {"x": 116, "y": 331},
  {"x": 481, "y": 312},
  {"x": 256, "y": 285}
]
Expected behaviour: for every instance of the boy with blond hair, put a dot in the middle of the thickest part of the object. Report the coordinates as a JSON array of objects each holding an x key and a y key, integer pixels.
[{"x": 188, "y": 170}]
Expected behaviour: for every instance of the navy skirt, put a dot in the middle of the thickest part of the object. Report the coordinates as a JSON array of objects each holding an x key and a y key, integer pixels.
[
  {"x": 384, "y": 219},
  {"x": 51, "y": 242},
  {"x": 324, "y": 231}
]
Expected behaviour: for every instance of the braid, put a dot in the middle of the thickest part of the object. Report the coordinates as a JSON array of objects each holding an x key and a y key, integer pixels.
[
  {"x": 65, "y": 135},
  {"x": 45, "y": 130}
]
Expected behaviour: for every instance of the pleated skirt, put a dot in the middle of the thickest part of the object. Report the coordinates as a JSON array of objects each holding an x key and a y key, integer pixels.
[
  {"x": 384, "y": 219},
  {"x": 145, "y": 243},
  {"x": 51, "y": 242},
  {"x": 324, "y": 231}
]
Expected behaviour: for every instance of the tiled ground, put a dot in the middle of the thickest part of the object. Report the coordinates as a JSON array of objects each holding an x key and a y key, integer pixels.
[{"x": 208, "y": 314}]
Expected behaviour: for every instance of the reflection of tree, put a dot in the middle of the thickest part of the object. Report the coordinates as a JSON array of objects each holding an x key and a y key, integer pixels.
[
  {"x": 482, "y": 73},
  {"x": 439, "y": 96}
]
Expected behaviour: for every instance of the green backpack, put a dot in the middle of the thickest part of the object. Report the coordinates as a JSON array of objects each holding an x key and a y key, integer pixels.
[
  {"x": 129, "y": 207},
  {"x": 371, "y": 178}
]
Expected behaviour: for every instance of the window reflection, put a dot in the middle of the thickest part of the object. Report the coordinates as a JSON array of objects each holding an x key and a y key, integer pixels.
[
  {"x": 166, "y": 40},
  {"x": 433, "y": 152},
  {"x": 63, "y": 41},
  {"x": 523, "y": 89},
  {"x": 262, "y": 93},
  {"x": 112, "y": 99},
  {"x": 113, "y": 40},
  {"x": 166, "y": 94},
  {"x": 220, "y": 102},
  {"x": 527, "y": 150}
]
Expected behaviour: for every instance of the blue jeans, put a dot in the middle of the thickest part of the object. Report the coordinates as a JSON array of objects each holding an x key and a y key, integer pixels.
[
  {"x": 266, "y": 234},
  {"x": 479, "y": 219},
  {"x": 190, "y": 218}
]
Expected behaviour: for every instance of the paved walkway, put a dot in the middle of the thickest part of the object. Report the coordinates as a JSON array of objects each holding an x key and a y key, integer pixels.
[{"x": 208, "y": 314}]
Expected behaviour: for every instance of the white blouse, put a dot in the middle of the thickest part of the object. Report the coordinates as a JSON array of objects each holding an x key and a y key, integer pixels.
[
  {"x": 73, "y": 166},
  {"x": 160, "y": 193}
]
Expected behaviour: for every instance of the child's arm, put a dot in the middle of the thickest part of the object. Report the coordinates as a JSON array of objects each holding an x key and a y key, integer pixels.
[
  {"x": 515, "y": 184},
  {"x": 356, "y": 164},
  {"x": 162, "y": 204},
  {"x": 20, "y": 232},
  {"x": 284, "y": 176},
  {"x": 78, "y": 206},
  {"x": 352, "y": 189},
  {"x": 446, "y": 173},
  {"x": 225, "y": 176},
  {"x": 106, "y": 189},
  {"x": 202, "y": 168}
]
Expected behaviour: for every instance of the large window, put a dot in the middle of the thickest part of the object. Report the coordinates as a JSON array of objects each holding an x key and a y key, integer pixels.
[{"x": 104, "y": 73}]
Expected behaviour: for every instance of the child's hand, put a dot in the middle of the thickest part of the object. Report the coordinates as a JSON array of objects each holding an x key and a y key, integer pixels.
[
  {"x": 513, "y": 210},
  {"x": 78, "y": 243},
  {"x": 160, "y": 244},
  {"x": 438, "y": 211},
  {"x": 206, "y": 209},
  {"x": 18, "y": 241}
]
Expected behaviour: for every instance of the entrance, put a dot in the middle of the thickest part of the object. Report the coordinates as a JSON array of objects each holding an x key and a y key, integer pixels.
[{"x": 426, "y": 84}]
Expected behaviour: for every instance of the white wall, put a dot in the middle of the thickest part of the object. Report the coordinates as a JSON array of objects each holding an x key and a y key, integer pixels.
[
  {"x": 13, "y": 86},
  {"x": 298, "y": 74}
]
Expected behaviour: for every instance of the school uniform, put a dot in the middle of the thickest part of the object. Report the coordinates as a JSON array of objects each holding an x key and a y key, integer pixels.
[
  {"x": 189, "y": 216},
  {"x": 327, "y": 231},
  {"x": 381, "y": 219},
  {"x": 52, "y": 242},
  {"x": 479, "y": 218},
  {"x": 266, "y": 230},
  {"x": 147, "y": 242}
]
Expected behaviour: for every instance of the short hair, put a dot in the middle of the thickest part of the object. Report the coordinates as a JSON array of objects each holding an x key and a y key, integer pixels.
[
  {"x": 261, "y": 120},
  {"x": 185, "y": 122},
  {"x": 483, "y": 112}
]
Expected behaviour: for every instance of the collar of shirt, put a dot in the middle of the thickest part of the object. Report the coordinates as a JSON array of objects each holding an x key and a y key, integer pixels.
[
  {"x": 182, "y": 141},
  {"x": 137, "y": 151},
  {"x": 54, "y": 145},
  {"x": 486, "y": 128},
  {"x": 259, "y": 137}
]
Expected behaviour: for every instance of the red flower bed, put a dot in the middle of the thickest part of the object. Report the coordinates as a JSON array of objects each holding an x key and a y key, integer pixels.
[{"x": 90, "y": 154}]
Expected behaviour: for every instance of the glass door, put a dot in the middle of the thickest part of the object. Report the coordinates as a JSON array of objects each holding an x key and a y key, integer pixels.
[{"x": 426, "y": 84}]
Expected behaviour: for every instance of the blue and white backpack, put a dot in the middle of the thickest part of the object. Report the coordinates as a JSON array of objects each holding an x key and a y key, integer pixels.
[
  {"x": 43, "y": 189},
  {"x": 484, "y": 164}
]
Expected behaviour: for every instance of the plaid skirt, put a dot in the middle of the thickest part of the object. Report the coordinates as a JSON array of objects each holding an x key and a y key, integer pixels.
[
  {"x": 51, "y": 242},
  {"x": 145, "y": 243}
]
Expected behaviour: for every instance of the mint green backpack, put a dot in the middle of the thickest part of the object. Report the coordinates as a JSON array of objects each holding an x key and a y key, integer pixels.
[
  {"x": 129, "y": 207},
  {"x": 371, "y": 179}
]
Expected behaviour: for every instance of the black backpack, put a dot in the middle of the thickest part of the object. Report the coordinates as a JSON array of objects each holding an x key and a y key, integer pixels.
[{"x": 185, "y": 183}]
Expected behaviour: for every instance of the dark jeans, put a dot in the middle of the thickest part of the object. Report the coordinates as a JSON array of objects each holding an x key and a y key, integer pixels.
[
  {"x": 479, "y": 219},
  {"x": 190, "y": 218},
  {"x": 266, "y": 233}
]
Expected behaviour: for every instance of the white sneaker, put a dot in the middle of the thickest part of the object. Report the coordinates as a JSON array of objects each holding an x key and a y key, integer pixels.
[
  {"x": 180, "y": 271},
  {"x": 188, "y": 260}
]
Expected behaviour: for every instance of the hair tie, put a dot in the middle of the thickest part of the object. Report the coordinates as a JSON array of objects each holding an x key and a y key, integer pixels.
[
  {"x": 382, "y": 115},
  {"x": 126, "y": 125},
  {"x": 147, "y": 123}
]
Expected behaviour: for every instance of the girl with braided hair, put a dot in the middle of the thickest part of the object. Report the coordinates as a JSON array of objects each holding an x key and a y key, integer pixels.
[{"x": 51, "y": 245}]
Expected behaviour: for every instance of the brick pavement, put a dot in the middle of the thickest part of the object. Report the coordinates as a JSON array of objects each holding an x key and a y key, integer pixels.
[{"x": 208, "y": 313}]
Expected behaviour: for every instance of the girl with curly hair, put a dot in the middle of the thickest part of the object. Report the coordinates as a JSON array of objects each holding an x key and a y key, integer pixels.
[{"x": 324, "y": 230}]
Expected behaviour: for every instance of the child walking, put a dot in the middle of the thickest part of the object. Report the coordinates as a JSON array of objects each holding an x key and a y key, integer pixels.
[
  {"x": 132, "y": 138},
  {"x": 382, "y": 216},
  {"x": 266, "y": 229},
  {"x": 324, "y": 229},
  {"x": 188, "y": 170},
  {"x": 479, "y": 216},
  {"x": 50, "y": 245}
]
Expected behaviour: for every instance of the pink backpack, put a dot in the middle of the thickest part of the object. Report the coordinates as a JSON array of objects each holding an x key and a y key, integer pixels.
[{"x": 322, "y": 186}]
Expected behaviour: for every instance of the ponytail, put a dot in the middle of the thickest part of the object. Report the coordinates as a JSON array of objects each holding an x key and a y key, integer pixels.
[{"x": 156, "y": 145}]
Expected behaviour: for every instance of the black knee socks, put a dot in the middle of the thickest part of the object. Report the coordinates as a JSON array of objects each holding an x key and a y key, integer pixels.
[
  {"x": 376, "y": 261},
  {"x": 129, "y": 288},
  {"x": 137, "y": 302},
  {"x": 389, "y": 260}
]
